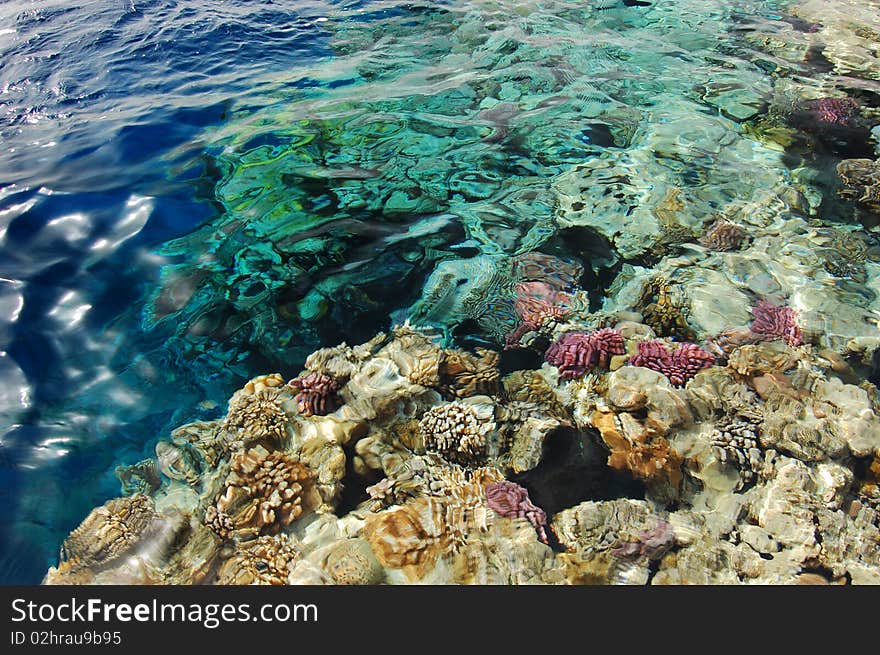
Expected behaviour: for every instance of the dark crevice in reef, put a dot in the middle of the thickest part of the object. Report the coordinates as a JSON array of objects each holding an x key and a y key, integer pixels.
[
  {"x": 574, "y": 470},
  {"x": 519, "y": 359},
  {"x": 354, "y": 491},
  {"x": 594, "y": 251}
]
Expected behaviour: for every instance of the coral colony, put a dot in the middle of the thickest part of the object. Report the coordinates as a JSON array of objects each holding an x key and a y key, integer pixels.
[{"x": 677, "y": 422}]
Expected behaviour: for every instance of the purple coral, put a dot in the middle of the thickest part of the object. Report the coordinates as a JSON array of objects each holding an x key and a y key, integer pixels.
[
  {"x": 774, "y": 321},
  {"x": 574, "y": 353},
  {"x": 316, "y": 393},
  {"x": 512, "y": 501},
  {"x": 679, "y": 366},
  {"x": 653, "y": 543},
  {"x": 833, "y": 111}
]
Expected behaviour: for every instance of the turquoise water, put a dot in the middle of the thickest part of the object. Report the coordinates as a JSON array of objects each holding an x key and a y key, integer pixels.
[{"x": 196, "y": 193}]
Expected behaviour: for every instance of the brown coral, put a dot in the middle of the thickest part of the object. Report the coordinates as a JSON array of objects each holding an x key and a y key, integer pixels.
[
  {"x": 352, "y": 562},
  {"x": 265, "y": 561},
  {"x": 861, "y": 182},
  {"x": 664, "y": 311},
  {"x": 107, "y": 533},
  {"x": 409, "y": 537},
  {"x": 254, "y": 418},
  {"x": 464, "y": 374},
  {"x": 266, "y": 491}
]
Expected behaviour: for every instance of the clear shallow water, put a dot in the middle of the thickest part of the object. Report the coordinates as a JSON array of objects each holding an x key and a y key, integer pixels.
[{"x": 194, "y": 193}]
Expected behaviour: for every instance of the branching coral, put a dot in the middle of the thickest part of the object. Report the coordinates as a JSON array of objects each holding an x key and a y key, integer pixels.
[
  {"x": 315, "y": 393},
  {"x": 774, "y": 321},
  {"x": 265, "y": 491},
  {"x": 574, "y": 353},
  {"x": 679, "y": 365},
  {"x": 510, "y": 500},
  {"x": 736, "y": 441},
  {"x": 457, "y": 431}
]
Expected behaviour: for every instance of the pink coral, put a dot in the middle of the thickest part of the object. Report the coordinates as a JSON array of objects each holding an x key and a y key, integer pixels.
[
  {"x": 536, "y": 303},
  {"x": 574, "y": 353},
  {"x": 774, "y": 321},
  {"x": 535, "y": 295},
  {"x": 316, "y": 393},
  {"x": 512, "y": 501},
  {"x": 834, "y": 111},
  {"x": 679, "y": 366}
]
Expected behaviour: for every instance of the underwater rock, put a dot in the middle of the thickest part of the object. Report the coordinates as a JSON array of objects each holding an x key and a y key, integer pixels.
[
  {"x": 510, "y": 500},
  {"x": 140, "y": 478}
]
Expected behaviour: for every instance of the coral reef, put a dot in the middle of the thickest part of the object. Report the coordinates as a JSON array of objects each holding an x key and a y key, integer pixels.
[
  {"x": 689, "y": 326},
  {"x": 753, "y": 456},
  {"x": 861, "y": 182},
  {"x": 836, "y": 111}
]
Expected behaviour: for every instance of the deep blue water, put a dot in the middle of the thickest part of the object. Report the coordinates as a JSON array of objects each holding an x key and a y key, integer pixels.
[{"x": 96, "y": 98}]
